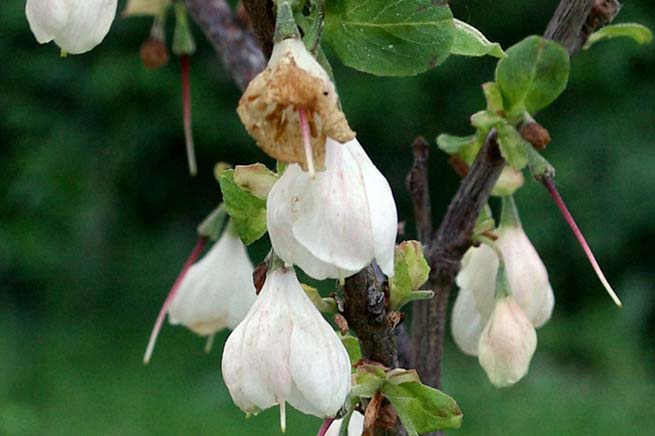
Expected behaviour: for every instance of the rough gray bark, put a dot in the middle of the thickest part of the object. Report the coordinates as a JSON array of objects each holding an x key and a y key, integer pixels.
[{"x": 237, "y": 47}]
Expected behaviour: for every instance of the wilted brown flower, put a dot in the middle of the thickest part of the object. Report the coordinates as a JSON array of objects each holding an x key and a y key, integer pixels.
[{"x": 293, "y": 92}]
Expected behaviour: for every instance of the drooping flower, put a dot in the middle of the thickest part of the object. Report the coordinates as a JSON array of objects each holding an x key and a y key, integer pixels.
[
  {"x": 212, "y": 294},
  {"x": 355, "y": 425},
  {"x": 526, "y": 272},
  {"x": 218, "y": 290},
  {"x": 336, "y": 223},
  {"x": 285, "y": 351},
  {"x": 293, "y": 91},
  {"x": 507, "y": 343},
  {"x": 75, "y": 26}
]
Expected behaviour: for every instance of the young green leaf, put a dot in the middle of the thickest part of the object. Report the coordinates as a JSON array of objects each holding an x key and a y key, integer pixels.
[
  {"x": 422, "y": 409},
  {"x": 494, "y": 97},
  {"x": 324, "y": 305},
  {"x": 389, "y": 37},
  {"x": 513, "y": 147},
  {"x": 411, "y": 270},
  {"x": 247, "y": 211},
  {"x": 367, "y": 380},
  {"x": 469, "y": 41},
  {"x": 532, "y": 75},
  {"x": 641, "y": 34},
  {"x": 351, "y": 344}
]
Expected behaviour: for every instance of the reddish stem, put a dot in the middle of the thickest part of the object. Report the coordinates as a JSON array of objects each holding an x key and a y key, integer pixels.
[
  {"x": 557, "y": 198},
  {"x": 325, "y": 426},
  {"x": 185, "y": 73},
  {"x": 197, "y": 250}
]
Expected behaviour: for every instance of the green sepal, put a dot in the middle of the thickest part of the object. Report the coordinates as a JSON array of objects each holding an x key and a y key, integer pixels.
[
  {"x": 484, "y": 223},
  {"x": 532, "y": 75},
  {"x": 183, "y": 42},
  {"x": 389, "y": 37},
  {"x": 640, "y": 34},
  {"x": 469, "y": 41},
  {"x": 411, "y": 270},
  {"x": 422, "y": 409},
  {"x": 247, "y": 211}
]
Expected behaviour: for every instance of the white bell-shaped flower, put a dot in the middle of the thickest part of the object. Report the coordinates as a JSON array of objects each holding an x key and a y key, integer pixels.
[
  {"x": 355, "y": 425},
  {"x": 476, "y": 298},
  {"x": 75, "y": 26},
  {"x": 507, "y": 343},
  {"x": 285, "y": 351},
  {"x": 334, "y": 223},
  {"x": 218, "y": 290},
  {"x": 526, "y": 271}
]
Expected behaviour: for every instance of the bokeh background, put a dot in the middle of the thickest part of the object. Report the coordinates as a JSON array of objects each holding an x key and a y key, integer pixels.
[{"x": 97, "y": 214}]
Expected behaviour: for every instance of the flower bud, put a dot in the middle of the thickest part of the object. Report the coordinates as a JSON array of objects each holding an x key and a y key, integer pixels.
[
  {"x": 507, "y": 343},
  {"x": 75, "y": 26},
  {"x": 355, "y": 425},
  {"x": 217, "y": 291},
  {"x": 270, "y": 107},
  {"x": 526, "y": 272},
  {"x": 285, "y": 351},
  {"x": 336, "y": 223}
]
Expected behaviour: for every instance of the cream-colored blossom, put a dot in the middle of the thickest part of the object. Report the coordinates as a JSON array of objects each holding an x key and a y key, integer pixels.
[{"x": 75, "y": 26}]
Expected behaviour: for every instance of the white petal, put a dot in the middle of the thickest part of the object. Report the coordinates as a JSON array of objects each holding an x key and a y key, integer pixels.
[
  {"x": 334, "y": 222},
  {"x": 507, "y": 344},
  {"x": 527, "y": 274},
  {"x": 381, "y": 207},
  {"x": 319, "y": 363},
  {"x": 47, "y": 17},
  {"x": 282, "y": 208},
  {"x": 255, "y": 360},
  {"x": 355, "y": 426},
  {"x": 217, "y": 291},
  {"x": 478, "y": 274},
  {"x": 467, "y": 323},
  {"x": 88, "y": 24}
]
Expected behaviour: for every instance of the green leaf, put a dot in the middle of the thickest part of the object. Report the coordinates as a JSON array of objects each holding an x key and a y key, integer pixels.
[
  {"x": 422, "y": 409},
  {"x": 485, "y": 120},
  {"x": 533, "y": 75},
  {"x": 247, "y": 211},
  {"x": 351, "y": 344},
  {"x": 494, "y": 97},
  {"x": 389, "y": 37},
  {"x": 367, "y": 380},
  {"x": 452, "y": 144},
  {"x": 513, "y": 147},
  {"x": 411, "y": 270},
  {"x": 324, "y": 305},
  {"x": 469, "y": 41},
  {"x": 641, "y": 34}
]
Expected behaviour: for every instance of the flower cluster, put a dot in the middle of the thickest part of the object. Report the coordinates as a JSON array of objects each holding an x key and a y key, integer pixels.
[{"x": 501, "y": 303}]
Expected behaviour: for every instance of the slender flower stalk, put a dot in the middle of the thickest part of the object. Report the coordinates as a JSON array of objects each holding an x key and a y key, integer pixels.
[
  {"x": 325, "y": 427},
  {"x": 557, "y": 198},
  {"x": 307, "y": 141},
  {"x": 185, "y": 72},
  {"x": 195, "y": 253}
]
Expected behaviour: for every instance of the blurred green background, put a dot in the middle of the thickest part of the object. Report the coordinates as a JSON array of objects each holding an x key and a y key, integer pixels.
[{"x": 98, "y": 213}]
